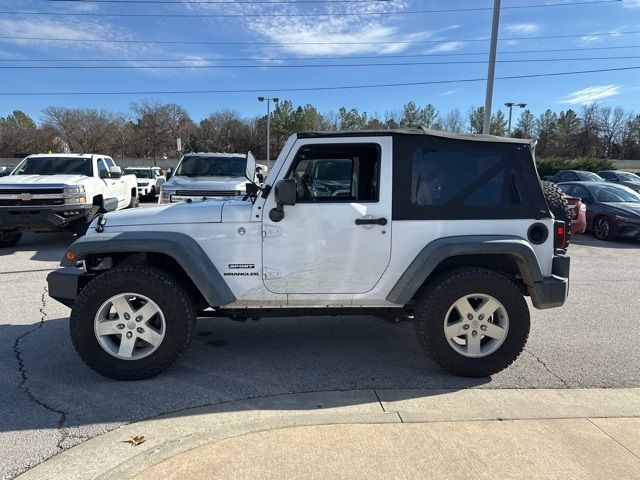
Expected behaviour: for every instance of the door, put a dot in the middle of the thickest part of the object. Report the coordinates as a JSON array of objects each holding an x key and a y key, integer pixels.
[
  {"x": 336, "y": 239},
  {"x": 123, "y": 194},
  {"x": 112, "y": 192}
]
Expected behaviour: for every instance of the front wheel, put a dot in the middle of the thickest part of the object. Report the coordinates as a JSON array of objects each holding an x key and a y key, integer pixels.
[
  {"x": 603, "y": 229},
  {"x": 473, "y": 322},
  {"x": 9, "y": 239},
  {"x": 132, "y": 322}
]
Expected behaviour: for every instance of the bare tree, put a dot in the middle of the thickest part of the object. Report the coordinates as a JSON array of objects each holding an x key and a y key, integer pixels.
[
  {"x": 453, "y": 122},
  {"x": 613, "y": 123}
]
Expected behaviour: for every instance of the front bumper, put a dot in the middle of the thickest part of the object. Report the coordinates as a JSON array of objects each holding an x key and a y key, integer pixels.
[
  {"x": 144, "y": 190},
  {"x": 552, "y": 291},
  {"x": 65, "y": 283},
  {"x": 42, "y": 218},
  {"x": 628, "y": 229}
]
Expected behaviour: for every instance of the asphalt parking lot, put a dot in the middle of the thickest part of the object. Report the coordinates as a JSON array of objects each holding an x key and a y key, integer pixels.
[{"x": 50, "y": 401}]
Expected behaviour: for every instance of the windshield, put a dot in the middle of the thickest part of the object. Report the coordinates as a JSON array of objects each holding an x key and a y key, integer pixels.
[
  {"x": 590, "y": 177},
  {"x": 628, "y": 177},
  {"x": 614, "y": 194},
  {"x": 55, "y": 166},
  {"x": 211, "y": 166},
  {"x": 139, "y": 172}
]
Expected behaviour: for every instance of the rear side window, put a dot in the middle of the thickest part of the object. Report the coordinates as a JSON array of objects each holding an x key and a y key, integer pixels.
[{"x": 441, "y": 178}]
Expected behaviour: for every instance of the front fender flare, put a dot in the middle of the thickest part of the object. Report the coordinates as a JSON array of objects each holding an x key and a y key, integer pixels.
[{"x": 182, "y": 248}]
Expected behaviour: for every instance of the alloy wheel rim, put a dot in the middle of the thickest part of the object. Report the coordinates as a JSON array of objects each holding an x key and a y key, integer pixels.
[
  {"x": 476, "y": 325},
  {"x": 602, "y": 228},
  {"x": 129, "y": 326}
]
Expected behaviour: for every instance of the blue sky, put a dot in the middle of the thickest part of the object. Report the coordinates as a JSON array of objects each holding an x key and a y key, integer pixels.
[{"x": 290, "y": 37}]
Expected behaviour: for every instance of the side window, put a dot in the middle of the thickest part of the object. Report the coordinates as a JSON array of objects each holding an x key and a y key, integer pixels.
[
  {"x": 462, "y": 178},
  {"x": 337, "y": 173},
  {"x": 109, "y": 162},
  {"x": 607, "y": 176},
  {"x": 102, "y": 168},
  {"x": 580, "y": 192},
  {"x": 566, "y": 189}
]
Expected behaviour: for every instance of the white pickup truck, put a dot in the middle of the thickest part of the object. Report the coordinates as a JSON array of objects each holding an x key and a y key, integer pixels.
[
  {"x": 58, "y": 192},
  {"x": 201, "y": 176}
]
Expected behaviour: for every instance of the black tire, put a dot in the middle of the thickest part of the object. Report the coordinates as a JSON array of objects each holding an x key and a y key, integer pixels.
[
  {"x": 176, "y": 306},
  {"x": 603, "y": 228},
  {"x": 152, "y": 194},
  {"x": 135, "y": 202},
  {"x": 439, "y": 298},
  {"x": 557, "y": 202},
  {"x": 9, "y": 239}
]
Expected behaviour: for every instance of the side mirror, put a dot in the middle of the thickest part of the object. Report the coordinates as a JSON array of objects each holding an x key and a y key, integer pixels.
[
  {"x": 285, "y": 193},
  {"x": 169, "y": 173},
  {"x": 585, "y": 200},
  {"x": 115, "y": 172},
  {"x": 250, "y": 167}
]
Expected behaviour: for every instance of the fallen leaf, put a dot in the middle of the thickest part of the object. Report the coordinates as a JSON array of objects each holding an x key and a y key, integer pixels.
[{"x": 135, "y": 441}]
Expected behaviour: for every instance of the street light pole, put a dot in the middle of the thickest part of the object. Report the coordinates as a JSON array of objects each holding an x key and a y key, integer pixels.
[
  {"x": 486, "y": 125},
  {"x": 268, "y": 100},
  {"x": 510, "y": 105}
]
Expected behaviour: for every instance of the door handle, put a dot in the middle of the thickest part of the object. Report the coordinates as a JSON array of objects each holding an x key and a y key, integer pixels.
[{"x": 371, "y": 221}]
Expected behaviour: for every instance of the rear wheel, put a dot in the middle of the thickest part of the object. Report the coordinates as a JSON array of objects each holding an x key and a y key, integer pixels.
[
  {"x": 9, "y": 239},
  {"x": 135, "y": 202},
  {"x": 603, "y": 228},
  {"x": 132, "y": 322},
  {"x": 472, "y": 322}
]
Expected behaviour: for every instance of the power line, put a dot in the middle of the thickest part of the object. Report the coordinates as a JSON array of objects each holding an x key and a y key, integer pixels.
[
  {"x": 313, "y": 14},
  {"x": 217, "y": 2},
  {"x": 317, "y": 89},
  {"x": 307, "y": 65},
  {"x": 388, "y": 42},
  {"x": 285, "y": 59}
]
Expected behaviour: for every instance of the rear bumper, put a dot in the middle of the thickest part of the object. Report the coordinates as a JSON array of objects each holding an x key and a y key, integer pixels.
[
  {"x": 42, "y": 218},
  {"x": 552, "y": 291},
  {"x": 65, "y": 283}
]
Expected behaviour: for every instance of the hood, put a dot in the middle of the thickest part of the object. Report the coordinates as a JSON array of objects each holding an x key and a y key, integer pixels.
[
  {"x": 42, "y": 180},
  {"x": 206, "y": 183},
  {"x": 171, "y": 214},
  {"x": 625, "y": 209}
]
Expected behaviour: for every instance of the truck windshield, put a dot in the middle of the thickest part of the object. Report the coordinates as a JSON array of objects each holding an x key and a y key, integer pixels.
[
  {"x": 139, "y": 172},
  {"x": 201, "y": 166},
  {"x": 55, "y": 166}
]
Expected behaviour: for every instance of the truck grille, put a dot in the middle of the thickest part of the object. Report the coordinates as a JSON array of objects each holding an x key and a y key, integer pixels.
[
  {"x": 208, "y": 193},
  {"x": 27, "y": 197}
]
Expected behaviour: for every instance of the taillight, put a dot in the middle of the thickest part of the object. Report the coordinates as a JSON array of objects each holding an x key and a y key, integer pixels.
[{"x": 561, "y": 237}]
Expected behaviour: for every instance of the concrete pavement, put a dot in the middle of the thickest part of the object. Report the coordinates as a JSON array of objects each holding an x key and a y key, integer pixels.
[{"x": 459, "y": 434}]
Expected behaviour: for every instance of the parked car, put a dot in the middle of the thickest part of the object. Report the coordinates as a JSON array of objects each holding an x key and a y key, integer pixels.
[
  {"x": 623, "y": 178},
  {"x": 612, "y": 210},
  {"x": 150, "y": 179},
  {"x": 456, "y": 257},
  {"x": 573, "y": 175},
  {"x": 4, "y": 171},
  {"x": 578, "y": 215},
  {"x": 58, "y": 192},
  {"x": 201, "y": 176}
]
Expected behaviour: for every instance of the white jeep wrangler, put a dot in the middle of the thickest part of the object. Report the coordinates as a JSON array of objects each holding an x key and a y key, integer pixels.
[{"x": 451, "y": 232}]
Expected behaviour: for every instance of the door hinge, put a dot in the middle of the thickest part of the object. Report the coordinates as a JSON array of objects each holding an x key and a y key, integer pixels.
[
  {"x": 269, "y": 231},
  {"x": 269, "y": 273}
]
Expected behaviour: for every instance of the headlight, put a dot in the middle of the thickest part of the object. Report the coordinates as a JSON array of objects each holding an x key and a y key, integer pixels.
[
  {"x": 75, "y": 195},
  {"x": 165, "y": 196},
  {"x": 628, "y": 220}
]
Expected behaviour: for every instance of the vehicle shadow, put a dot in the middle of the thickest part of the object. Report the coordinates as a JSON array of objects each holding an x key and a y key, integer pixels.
[
  {"x": 226, "y": 361},
  {"x": 46, "y": 247},
  {"x": 589, "y": 240}
]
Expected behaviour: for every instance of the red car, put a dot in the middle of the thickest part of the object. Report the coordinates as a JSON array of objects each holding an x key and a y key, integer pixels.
[{"x": 578, "y": 215}]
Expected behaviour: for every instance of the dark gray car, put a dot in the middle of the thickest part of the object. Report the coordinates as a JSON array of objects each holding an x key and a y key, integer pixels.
[{"x": 622, "y": 178}]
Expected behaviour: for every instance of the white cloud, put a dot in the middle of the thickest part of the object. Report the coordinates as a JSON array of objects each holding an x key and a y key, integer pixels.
[
  {"x": 591, "y": 94},
  {"x": 446, "y": 47},
  {"x": 522, "y": 28},
  {"x": 590, "y": 39},
  {"x": 631, "y": 3},
  {"x": 450, "y": 92}
]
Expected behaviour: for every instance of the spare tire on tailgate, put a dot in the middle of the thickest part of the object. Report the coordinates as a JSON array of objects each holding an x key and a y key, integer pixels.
[{"x": 557, "y": 202}]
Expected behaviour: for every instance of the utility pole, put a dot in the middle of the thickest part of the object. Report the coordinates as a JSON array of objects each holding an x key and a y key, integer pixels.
[
  {"x": 486, "y": 126},
  {"x": 510, "y": 105},
  {"x": 268, "y": 100}
]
